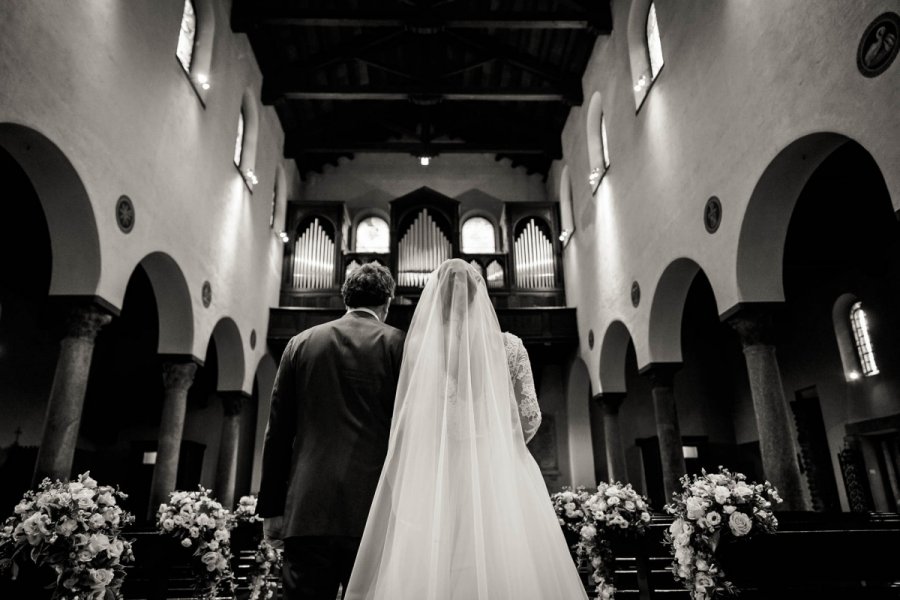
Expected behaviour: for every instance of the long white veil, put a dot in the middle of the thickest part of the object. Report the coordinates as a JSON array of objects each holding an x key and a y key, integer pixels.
[{"x": 461, "y": 511}]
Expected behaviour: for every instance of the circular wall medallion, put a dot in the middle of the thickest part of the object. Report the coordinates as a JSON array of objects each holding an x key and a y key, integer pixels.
[
  {"x": 879, "y": 45},
  {"x": 253, "y": 339},
  {"x": 591, "y": 339},
  {"x": 635, "y": 294},
  {"x": 712, "y": 214},
  {"x": 206, "y": 294},
  {"x": 125, "y": 214}
]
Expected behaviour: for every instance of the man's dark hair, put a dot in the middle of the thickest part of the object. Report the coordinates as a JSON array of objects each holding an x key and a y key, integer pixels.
[{"x": 368, "y": 285}]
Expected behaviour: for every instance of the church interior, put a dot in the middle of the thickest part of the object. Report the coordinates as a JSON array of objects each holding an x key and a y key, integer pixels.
[{"x": 685, "y": 209}]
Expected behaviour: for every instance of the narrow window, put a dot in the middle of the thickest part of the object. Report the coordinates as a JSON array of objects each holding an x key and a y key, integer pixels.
[
  {"x": 654, "y": 47},
  {"x": 603, "y": 143},
  {"x": 478, "y": 236},
  {"x": 373, "y": 235},
  {"x": 864, "y": 351},
  {"x": 239, "y": 140},
  {"x": 187, "y": 36}
]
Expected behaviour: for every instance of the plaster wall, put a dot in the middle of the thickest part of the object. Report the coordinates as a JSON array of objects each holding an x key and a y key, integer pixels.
[
  {"x": 742, "y": 80},
  {"x": 102, "y": 82}
]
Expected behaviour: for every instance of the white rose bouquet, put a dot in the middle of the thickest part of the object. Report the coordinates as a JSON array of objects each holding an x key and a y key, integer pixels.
[
  {"x": 569, "y": 507},
  {"x": 74, "y": 528},
  {"x": 245, "y": 512},
  {"x": 266, "y": 561},
  {"x": 615, "y": 508},
  {"x": 201, "y": 523},
  {"x": 712, "y": 507}
]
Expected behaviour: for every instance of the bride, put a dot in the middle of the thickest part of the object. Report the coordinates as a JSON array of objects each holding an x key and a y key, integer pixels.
[{"x": 461, "y": 511}]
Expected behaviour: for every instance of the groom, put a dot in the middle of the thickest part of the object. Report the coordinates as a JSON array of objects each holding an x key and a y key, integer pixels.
[{"x": 328, "y": 435}]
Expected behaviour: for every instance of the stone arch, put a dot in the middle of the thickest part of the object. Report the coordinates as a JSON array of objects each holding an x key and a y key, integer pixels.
[
  {"x": 359, "y": 217},
  {"x": 761, "y": 243},
  {"x": 581, "y": 452},
  {"x": 843, "y": 333},
  {"x": 484, "y": 214},
  {"x": 667, "y": 309},
  {"x": 173, "y": 302},
  {"x": 230, "y": 353},
  {"x": 74, "y": 240},
  {"x": 613, "y": 350},
  {"x": 266, "y": 369}
]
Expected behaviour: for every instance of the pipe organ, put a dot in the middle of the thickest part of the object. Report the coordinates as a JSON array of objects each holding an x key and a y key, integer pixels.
[
  {"x": 422, "y": 248},
  {"x": 313, "y": 258},
  {"x": 425, "y": 229},
  {"x": 535, "y": 258}
]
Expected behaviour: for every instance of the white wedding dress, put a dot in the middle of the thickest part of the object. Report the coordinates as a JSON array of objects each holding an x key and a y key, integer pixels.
[{"x": 461, "y": 511}]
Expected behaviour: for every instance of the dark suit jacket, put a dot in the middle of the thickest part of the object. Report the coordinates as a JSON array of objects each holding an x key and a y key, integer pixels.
[{"x": 328, "y": 429}]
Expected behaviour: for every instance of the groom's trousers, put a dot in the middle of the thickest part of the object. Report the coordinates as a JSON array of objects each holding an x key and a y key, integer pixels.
[{"x": 315, "y": 565}]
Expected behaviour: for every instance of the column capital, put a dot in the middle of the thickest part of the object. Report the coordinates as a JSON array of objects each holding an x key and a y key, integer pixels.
[
  {"x": 84, "y": 321},
  {"x": 232, "y": 402},
  {"x": 178, "y": 375},
  {"x": 754, "y": 324},
  {"x": 661, "y": 374},
  {"x": 610, "y": 401}
]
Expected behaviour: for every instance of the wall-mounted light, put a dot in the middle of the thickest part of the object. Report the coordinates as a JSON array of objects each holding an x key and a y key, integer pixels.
[
  {"x": 641, "y": 83},
  {"x": 284, "y": 236},
  {"x": 565, "y": 235},
  {"x": 203, "y": 80},
  {"x": 250, "y": 177},
  {"x": 594, "y": 177},
  {"x": 853, "y": 375}
]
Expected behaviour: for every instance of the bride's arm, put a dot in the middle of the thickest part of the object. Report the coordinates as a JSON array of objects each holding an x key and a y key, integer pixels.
[{"x": 526, "y": 395}]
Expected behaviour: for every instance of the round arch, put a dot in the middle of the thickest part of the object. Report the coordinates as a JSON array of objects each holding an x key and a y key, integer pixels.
[
  {"x": 74, "y": 240},
  {"x": 667, "y": 309},
  {"x": 566, "y": 202},
  {"x": 763, "y": 233},
  {"x": 279, "y": 198},
  {"x": 173, "y": 302},
  {"x": 613, "y": 350},
  {"x": 638, "y": 52},
  {"x": 359, "y": 217},
  {"x": 483, "y": 214},
  {"x": 230, "y": 352},
  {"x": 250, "y": 110},
  {"x": 265, "y": 381}
]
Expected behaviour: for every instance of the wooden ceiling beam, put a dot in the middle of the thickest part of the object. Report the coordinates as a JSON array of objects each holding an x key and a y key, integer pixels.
[
  {"x": 417, "y": 94},
  {"x": 296, "y": 147},
  {"x": 422, "y": 20}
]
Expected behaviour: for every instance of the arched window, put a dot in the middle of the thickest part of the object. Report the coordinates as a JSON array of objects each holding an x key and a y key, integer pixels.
[
  {"x": 478, "y": 236},
  {"x": 187, "y": 36},
  {"x": 239, "y": 140},
  {"x": 566, "y": 207},
  {"x": 860, "y": 327},
  {"x": 373, "y": 235},
  {"x": 597, "y": 143},
  {"x": 654, "y": 47}
]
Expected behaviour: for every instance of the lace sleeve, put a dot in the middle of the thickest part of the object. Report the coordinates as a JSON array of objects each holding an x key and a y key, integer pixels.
[{"x": 523, "y": 386}]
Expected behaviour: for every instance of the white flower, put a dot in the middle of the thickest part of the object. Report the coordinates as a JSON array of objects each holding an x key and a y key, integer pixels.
[
  {"x": 742, "y": 491},
  {"x": 722, "y": 494},
  {"x": 713, "y": 518},
  {"x": 100, "y": 578},
  {"x": 676, "y": 527},
  {"x": 99, "y": 542},
  {"x": 739, "y": 523},
  {"x": 588, "y": 532},
  {"x": 702, "y": 565},
  {"x": 729, "y": 509},
  {"x": 695, "y": 508},
  {"x": 186, "y": 542}
]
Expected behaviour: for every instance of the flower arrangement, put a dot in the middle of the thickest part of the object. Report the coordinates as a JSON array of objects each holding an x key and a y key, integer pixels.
[
  {"x": 201, "y": 523},
  {"x": 74, "y": 528},
  {"x": 266, "y": 561},
  {"x": 245, "y": 512},
  {"x": 266, "y": 558},
  {"x": 614, "y": 507},
  {"x": 713, "y": 507}
]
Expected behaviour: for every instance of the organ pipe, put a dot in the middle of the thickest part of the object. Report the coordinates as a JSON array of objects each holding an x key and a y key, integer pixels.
[
  {"x": 313, "y": 261},
  {"x": 535, "y": 265}
]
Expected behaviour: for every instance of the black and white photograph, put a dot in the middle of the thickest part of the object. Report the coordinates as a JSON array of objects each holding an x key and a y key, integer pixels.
[{"x": 449, "y": 299}]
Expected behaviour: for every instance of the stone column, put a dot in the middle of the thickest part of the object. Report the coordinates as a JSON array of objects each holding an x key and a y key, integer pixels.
[
  {"x": 63, "y": 417},
  {"x": 773, "y": 419},
  {"x": 226, "y": 470},
  {"x": 671, "y": 453},
  {"x": 177, "y": 380},
  {"x": 615, "y": 450}
]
